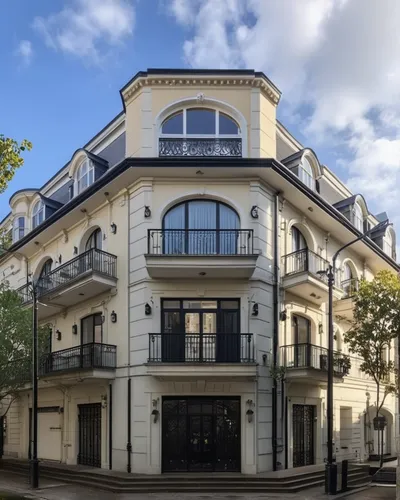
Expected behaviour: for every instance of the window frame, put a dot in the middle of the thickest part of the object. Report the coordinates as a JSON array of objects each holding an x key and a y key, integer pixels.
[
  {"x": 37, "y": 209},
  {"x": 93, "y": 237},
  {"x": 357, "y": 211},
  {"x": 93, "y": 316},
  {"x": 89, "y": 165},
  {"x": 18, "y": 228},
  {"x": 388, "y": 244},
  {"x": 184, "y": 133},
  {"x": 46, "y": 269}
]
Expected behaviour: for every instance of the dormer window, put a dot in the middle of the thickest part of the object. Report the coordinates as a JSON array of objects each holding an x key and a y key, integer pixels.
[
  {"x": 306, "y": 173},
  {"x": 305, "y": 165},
  {"x": 18, "y": 229},
  {"x": 85, "y": 175},
  {"x": 358, "y": 217},
  {"x": 37, "y": 213},
  {"x": 200, "y": 132}
]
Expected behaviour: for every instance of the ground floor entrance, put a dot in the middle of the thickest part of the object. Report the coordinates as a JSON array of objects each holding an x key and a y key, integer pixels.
[
  {"x": 89, "y": 451},
  {"x": 303, "y": 435},
  {"x": 200, "y": 434}
]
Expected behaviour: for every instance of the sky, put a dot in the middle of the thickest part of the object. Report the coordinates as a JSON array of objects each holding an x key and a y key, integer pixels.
[{"x": 336, "y": 62}]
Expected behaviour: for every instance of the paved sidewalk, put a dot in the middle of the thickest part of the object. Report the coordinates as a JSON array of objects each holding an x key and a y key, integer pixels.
[{"x": 56, "y": 490}]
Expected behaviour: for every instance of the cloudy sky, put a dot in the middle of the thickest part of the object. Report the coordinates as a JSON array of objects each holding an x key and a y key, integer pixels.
[{"x": 335, "y": 61}]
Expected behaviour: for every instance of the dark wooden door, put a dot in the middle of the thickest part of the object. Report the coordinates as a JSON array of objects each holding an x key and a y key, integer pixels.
[
  {"x": 303, "y": 435},
  {"x": 89, "y": 452}
]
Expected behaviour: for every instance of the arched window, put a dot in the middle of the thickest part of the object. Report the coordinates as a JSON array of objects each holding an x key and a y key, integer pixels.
[
  {"x": 388, "y": 244},
  {"x": 349, "y": 282},
  {"x": 200, "y": 132},
  {"x": 95, "y": 240},
  {"x": 85, "y": 175},
  {"x": 358, "y": 217},
  {"x": 298, "y": 240},
  {"x": 201, "y": 227},
  {"x": 37, "y": 214},
  {"x": 347, "y": 272},
  {"x": 18, "y": 228},
  {"x": 306, "y": 174},
  {"x": 46, "y": 268}
]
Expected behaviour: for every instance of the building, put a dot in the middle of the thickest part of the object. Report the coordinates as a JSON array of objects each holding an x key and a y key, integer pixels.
[{"x": 177, "y": 258}]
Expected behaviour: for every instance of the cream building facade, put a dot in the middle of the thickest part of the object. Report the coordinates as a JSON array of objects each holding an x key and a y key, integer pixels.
[{"x": 176, "y": 259}]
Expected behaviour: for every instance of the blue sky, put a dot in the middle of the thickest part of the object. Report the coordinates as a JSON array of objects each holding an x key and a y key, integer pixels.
[{"x": 336, "y": 62}]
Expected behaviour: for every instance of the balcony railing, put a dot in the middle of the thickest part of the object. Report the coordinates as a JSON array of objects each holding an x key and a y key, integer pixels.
[
  {"x": 313, "y": 356},
  {"x": 305, "y": 261},
  {"x": 201, "y": 348},
  {"x": 349, "y": 287},
  {"x": 200, "y": 147},
  {"x": 200, "y": 242},
  {"x": 82, "y": 357},
  {"x": 92, "y": 260}
]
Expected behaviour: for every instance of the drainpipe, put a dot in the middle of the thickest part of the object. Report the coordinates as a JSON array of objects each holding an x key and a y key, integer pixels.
[
  {"x": 275, "y": 334},
  {"x": 110, "y": 426},
  {"x": 129, "y": 443}
]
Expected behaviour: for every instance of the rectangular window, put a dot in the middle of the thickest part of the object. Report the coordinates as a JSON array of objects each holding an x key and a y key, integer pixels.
[
  {"x": 18, "y": 228},
  {"x": 92, "y": 329}
]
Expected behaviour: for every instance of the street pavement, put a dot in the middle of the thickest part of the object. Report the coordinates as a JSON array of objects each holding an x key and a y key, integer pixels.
[{"x": 55, "y": 490}]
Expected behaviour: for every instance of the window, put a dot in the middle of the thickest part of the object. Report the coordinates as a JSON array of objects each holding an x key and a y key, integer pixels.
[
  {"x": 94, "y": 240},
  {"x": 306, "y": 174},
  {"x": 358, "y": 217},
  {"x": 298, "y": 240},
  {"x": 301, "y": 334},
  {"x": 201, "y": 227},
  {"x": 92, "y": 329},
  {"x": 18, "y": 228},
  {"x": 388, "y": 244},
  {"x": 200, "y": 122},
  {"x": 37, "y": 214},
  {"x": 46, "y": 269},
  {"x": 347, "y": 272},
  {"x": 85, "y": 175}
]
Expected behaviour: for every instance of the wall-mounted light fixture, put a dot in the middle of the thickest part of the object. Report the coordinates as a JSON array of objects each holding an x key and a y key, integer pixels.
[
  {"x": 249, "y": 411},
  {"x": 75, "y": 329},
  {"x": 103, "y": 398},
  {"x": 147, "y": 211},
  {"x": 147, "y": 309},
  {"x": 75, "y": 250},
  {"x": 113, "y": 317},
  {"x": 320, "y": 328},
  {"x": 59, "y": 260},
  {"x": 113, "y": 227},
  {"x": 58, "y": 335},
  {"x": 155, "y": 413},
  {"x": 254, "y": 311},
  {"x": 254, "y": 212},
  {"x": 103, "y": 318},
  {"x": 283, "y": 315}
]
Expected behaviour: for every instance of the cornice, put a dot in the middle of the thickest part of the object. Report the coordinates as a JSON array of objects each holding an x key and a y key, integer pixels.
[{"x": 142, "y": 82}]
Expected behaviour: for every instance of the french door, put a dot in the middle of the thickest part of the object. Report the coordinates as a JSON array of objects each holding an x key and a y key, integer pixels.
[{"x": 201, "y": 330}]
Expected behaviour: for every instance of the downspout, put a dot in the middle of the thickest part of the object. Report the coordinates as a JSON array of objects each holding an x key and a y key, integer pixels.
[
  {"x": 129, "y": 398},
  {"x": 129, "y": 442},
  {"x": 110, "y": 426},
  {"x": 275, "y": 335}
]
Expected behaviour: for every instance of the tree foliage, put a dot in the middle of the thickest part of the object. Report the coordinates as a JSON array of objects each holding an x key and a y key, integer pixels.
[
  {"x": 16, "y": 344},
  {"x": 10, "y": 158},
  {"x": 376, "y": 324}
]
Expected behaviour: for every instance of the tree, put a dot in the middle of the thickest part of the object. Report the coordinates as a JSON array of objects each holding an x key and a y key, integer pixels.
[
  {"x": 15, "y": 345},
  {"x": 376, "y": 324},
  {"x": 10, "y": 158}
]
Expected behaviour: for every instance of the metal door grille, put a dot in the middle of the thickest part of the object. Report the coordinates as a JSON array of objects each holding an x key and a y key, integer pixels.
[
  {"x": 90, "y": 434},
  {"x": 303, "y": 435}
]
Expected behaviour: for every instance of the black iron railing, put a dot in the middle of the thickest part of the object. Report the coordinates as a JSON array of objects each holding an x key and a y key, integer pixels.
[
  {"x": 201, "y": 348},
  {"x": 199, "y": 147},
  {"x": 305, "y": 261},
  {"x": 200, "y": 242},
  {"x": 25, "y": 293},
  {"x": 349, "y": 287},
  {"x": 81, "y": 357},
  {"x": 313, "y": 356}
]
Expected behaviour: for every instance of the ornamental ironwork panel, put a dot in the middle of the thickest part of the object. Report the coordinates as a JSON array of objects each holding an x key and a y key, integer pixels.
[
  {"x": 303, "y": 435},
  {"x": 199, "y": 147},
  {"x": 90, "y": 434}
]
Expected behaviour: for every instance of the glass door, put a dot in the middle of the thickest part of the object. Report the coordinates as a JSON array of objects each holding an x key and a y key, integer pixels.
[
  {"x": 302, "y": 333},
  {"x": 228, "y": 338}
]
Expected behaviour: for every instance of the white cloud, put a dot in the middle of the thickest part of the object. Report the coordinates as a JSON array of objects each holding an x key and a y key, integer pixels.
[
  {"x": 337, "y": 63},
  {"x": 88, "y": 28},
  {"x": 25, "y": 51}
]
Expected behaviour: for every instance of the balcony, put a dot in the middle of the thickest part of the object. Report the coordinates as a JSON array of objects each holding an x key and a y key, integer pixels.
[
  {"x": 81, "y": 278},
  {"x": 209, "y": 253},
  {"x": 201, "y": 355},
  {"x": 97, "y": 360},
  {"x": 344, "y": 307},
  {"x": 303, "y": 276},
  {"x": 308, "y": 364},
  {"x": 199, "y": 147}
]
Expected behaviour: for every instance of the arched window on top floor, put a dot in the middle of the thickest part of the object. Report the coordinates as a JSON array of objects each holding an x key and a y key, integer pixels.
[
  {"x": 203, "y": 227},
  {"x": 358, "y": 217},
  {"x": 200, "y": 132},
  {"x": 388, "y": 244},
  {"x": 85, "y": 175},
  {"x": 306, "y": 173},
  {"x": 37, "y": 213}
]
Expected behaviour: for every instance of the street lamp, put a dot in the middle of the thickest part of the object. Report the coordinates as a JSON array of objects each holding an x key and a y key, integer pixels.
[
  {"x": 34, "y": 454},
  {"x": 331, "y": 467}
]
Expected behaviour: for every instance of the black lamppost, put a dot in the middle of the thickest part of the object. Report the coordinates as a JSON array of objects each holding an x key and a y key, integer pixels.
[
  {"x": 331, "y": 467},
  {"x": 34, "y": 455}
]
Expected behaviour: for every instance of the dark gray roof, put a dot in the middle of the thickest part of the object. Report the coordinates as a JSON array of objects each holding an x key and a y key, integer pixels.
[
  {"x": 294, "y": 157},
  {"x": 114, "y": 152},
  {"x": 346, "y": 202}
]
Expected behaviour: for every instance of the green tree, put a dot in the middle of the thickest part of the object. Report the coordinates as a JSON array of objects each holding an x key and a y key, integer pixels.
[
  {"x": 10, "y": 158},
  {"x": 16, "y": 345},
  {"x": 375, "y": 325}
]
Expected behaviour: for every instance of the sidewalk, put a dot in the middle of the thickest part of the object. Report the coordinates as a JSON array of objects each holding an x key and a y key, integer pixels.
[{"x": 55, "y": 490}]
